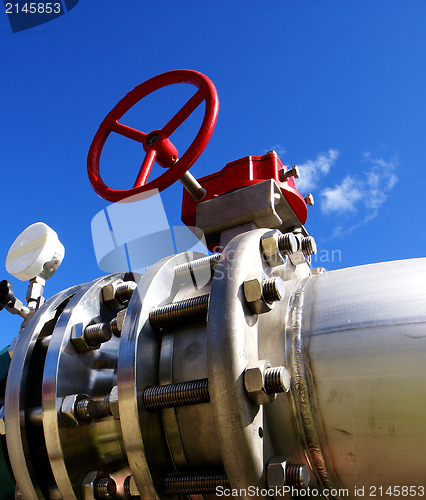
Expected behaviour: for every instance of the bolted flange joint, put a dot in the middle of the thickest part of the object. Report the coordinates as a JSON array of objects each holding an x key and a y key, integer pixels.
[
  {"x": 262, "y": 382},
  {"x": 281, "y": 472},
  {"x": 260, "y": 294}
]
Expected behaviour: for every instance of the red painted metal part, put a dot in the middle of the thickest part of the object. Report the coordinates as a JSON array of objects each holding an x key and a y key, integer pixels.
[
  {"x": 157, "y": 145},
  {"x": 241, "y": 173}
]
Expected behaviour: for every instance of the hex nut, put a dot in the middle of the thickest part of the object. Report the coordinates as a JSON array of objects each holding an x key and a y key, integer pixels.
[
  {"x": 254, "y": 382},
  {"x": 109, "y": 293},
  {"x": 254, "y": 297},
  {"x": 118, "y": 322},
  {"x": 88, "y": 485},
  {"x": 276, "y": 472},
  {"x": 270, "y": 248},
  {"x": 67, "y": 410},
  {"x": 78, "y": 340},
  {"x": 113, "y": 403},
  {"x": 297, "y": 258}
]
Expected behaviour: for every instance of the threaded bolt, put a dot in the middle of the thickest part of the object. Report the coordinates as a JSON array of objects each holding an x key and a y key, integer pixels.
[
  {"x": 105, "y": 488},
  {"x": 277, "y": 379},
  {"x": 297, "y": 475},
  {"x": 97, "y": 334},
  {"x": 126, "y": 486},
  {"x": 116, "y": 323},
  {"x": 204, "y": 264},
  {"x": 273, "y": 289},
  {"x": 85, "y": 410},
  {"x": 308, "y": 245},
  {"x": 192, "y": 484},
  {"x": 171, "y": 395},
  {"x": 292, "y": 172},
  {"x": 287, "y": 243},
  {"x": 125, "y": 290},
  {"x": 114, "y": 327},
  {"x": 193, "y": 309}
]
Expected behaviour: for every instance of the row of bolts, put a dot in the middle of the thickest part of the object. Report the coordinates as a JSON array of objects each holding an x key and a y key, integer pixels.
[{"x": 184, "y": 393}]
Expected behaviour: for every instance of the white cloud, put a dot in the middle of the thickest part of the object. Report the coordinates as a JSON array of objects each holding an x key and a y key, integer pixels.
[
  {"x": 369, "y": 190},
  {"x": 342, "y": 197},
  {"x": 312, "y": 171}
]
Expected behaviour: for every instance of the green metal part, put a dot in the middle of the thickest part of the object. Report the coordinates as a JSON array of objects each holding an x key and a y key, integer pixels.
[{"x": 7, "y": 481}]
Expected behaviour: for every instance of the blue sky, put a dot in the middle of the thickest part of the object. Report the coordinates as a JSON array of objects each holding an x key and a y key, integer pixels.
[{"x": 337, "y": 87}]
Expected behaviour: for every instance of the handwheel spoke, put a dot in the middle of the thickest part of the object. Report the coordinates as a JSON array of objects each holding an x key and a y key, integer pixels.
[
  {"x": 183, "y": 113},
  {"x": 145, "y": 168},
  {"x": 129, "y": 132}
]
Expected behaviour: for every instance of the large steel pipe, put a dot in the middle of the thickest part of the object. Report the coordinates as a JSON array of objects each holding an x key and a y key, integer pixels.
[{"x": 355, "y": 346}]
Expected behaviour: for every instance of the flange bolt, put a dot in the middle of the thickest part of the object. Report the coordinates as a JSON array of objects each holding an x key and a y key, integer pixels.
[
  {"x": 297, "y": 475},
  {"x": 97, "y": 334},
  {"x": 124, "y": 291},
  {"x": 277, "y": 379},
  {"x": 105, "y": 488},
  {"x": 273, "y": 289},
  {"x": 194, "y": 484},
  {"x": 281, "y": 472},
  {"x": 287, "y": 243},
  {"x": 309, "y": 247}
]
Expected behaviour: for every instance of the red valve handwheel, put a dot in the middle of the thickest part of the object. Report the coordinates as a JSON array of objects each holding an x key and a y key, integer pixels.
[{"x": 157, "y": 145}]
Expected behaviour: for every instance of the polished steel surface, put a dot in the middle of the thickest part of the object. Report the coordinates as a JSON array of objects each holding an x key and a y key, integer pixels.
[
  {"x": 19, "y": 378},
  {"x": 232, "y": 345},
  {"x": 362, "y": 344},
  {"x": 138, "y": 368},
  {"x": 74, "y": 452},
  {"x": 171, "y": 427}
]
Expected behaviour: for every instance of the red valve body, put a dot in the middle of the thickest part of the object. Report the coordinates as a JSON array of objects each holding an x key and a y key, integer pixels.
[{"x": 241, "y": 173}]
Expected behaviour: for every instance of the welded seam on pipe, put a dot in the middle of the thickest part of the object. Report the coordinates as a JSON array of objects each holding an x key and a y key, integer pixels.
[{"x": 301, "y": 393}]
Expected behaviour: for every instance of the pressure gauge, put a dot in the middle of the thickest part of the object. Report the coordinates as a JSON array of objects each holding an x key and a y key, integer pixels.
[{"x": 37, "y": 251}]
